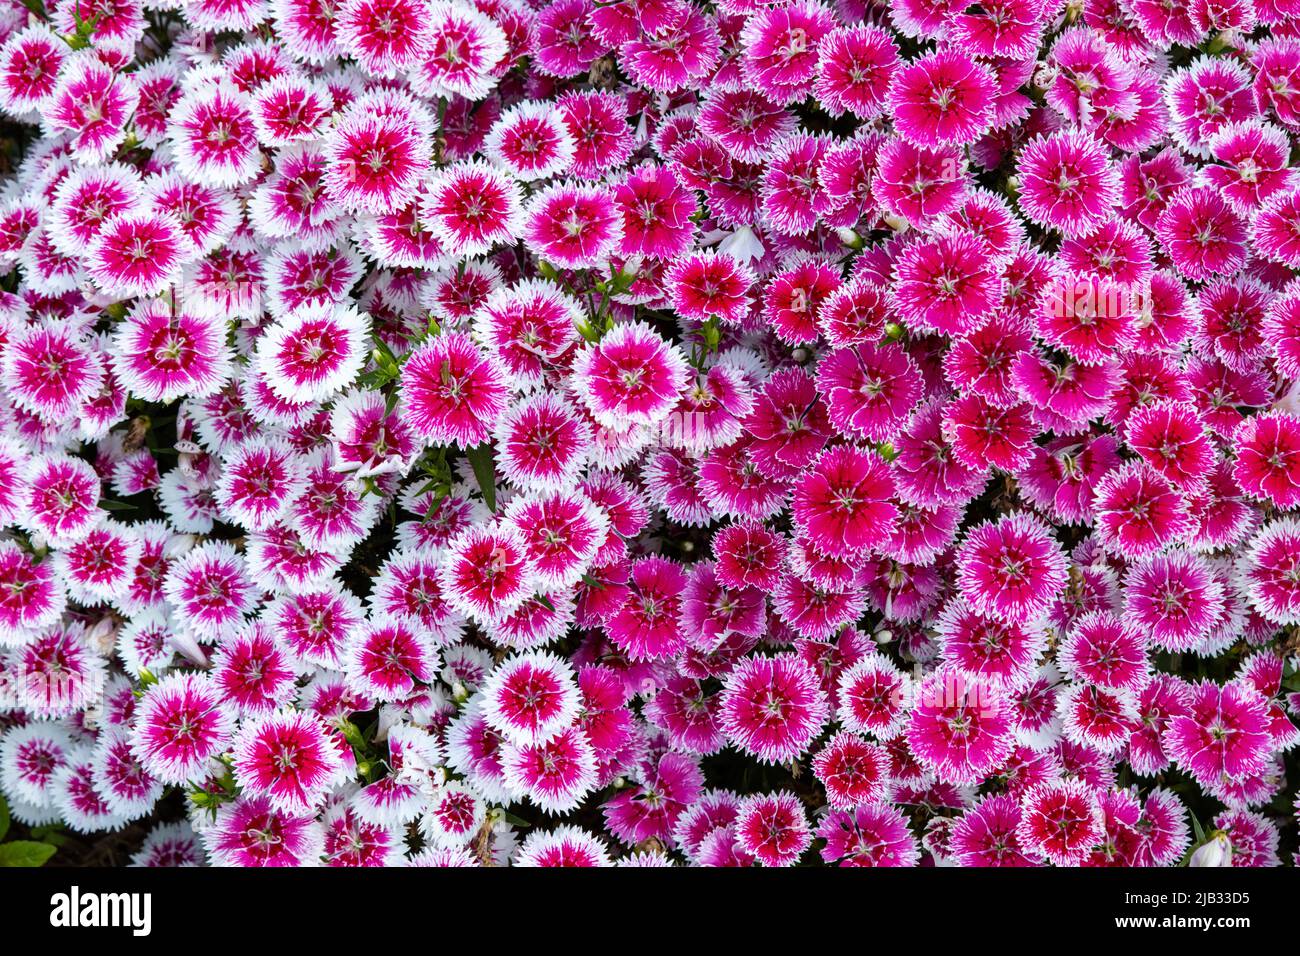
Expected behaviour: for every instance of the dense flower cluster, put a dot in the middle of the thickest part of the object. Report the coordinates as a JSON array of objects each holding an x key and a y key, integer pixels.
[{"x": 651, "y": 432}]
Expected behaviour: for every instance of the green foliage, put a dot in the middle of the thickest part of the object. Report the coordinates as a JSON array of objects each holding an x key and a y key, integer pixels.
[
  {"x": 25, "y": 853},
  {"x": 485, "y": 470}
]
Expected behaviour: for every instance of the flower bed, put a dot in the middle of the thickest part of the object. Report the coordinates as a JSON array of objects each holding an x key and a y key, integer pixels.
[{"x": 649, "y": 432}]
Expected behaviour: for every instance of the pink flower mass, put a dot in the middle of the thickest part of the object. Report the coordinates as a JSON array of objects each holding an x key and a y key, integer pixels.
[{"x": 650, "y": 432}]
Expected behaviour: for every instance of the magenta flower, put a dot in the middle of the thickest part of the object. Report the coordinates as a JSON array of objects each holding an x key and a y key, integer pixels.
[
  {"x": 562, "y": 38},
  {"x": 780, "y": 48},
  {"x": 556, "y": 774},
  {"x": 688, "y": 715},
  {"x": 1174, "y": 597},
  {"x": 384, "y": 38},
  {"x": 388, "y": 659},
  {"x": 377, "y": 154},
  {"x": 91, "y": 101},
  {"x": 486, "y": 573},
  {"x": 542, "y": 444},
  {"x": 137, "y": 254},
  {"x": 530, "y": 698},
  {"x": 99, "y": 566},
  {"x": 841, "y": 505},
  {"x": 772, "y": 828},
  {"x": 983, "y": 434},
  {"x": 1268, "y": 458},
  {"x": 60, "y": 498},
  {"x": 472, "y": 206},
  {"x": 574, "y": 226},
  {"x": 1099, "y": 718},
  {"x": 562, "y": 846},
  {"x": 869, "y": 835},
  {"x": 651, "y": 809},
  {"x": 1201, "y": 234},
  {"x": 161, "y": 354},
  {"x": 30, "y": 62},
  {"x": 1138, "y": 511},
  {"x": 854, "y": 68},
  {"x": 253, "y": 672},
  {"x": 259, "y": 481},
  {"x": 451, "y": 391},
  {"x": 313, "y": 352},
  {"x": 530, "y": 142},
  {"x": 1251, "y": 165},
  {"x": 959, "y": 729},
  {"x": 57, "y": 673},
  {"x": 676, "y": 44},
  {"x": 87, "y": 199},
  {"x": 180, "y": 725},
  {"x": 530, "y": 327},
  {"x": 251, "y": 832},
  {"x": 1205, "y": 97},
  {"x": 745, "y": 122},
  {"x": 465, "y": 50},
  {"x": 1067, "y": 183},
  {"x": 31, "y": 597},
  {"x": 475, "y": 749},
  {"x": 596, "y": 120},
  {"x": 210, "y": 587},
  {"x": 795, "y": 298},
  {"x": 50, "y": 371},
  {"x": 1011, "y": 568},
  {"x": 773, "y": 707},
  {"x": 1087, "y": 316},
  {"x": 985, "y": 835},
  {"x": 212, "y": 130},
  {"x": 1172, "y": 440},
  {"x": 945, "y": 284},
  {"x": 789, "y": 423},
  {"x": 853, "y": 771},
  {"x": 1061, "y": 821},
  {"x": 31, "y": 757},
  {"x": 710, "y": 286},
  {"x": 942, "y": 98},
  {"x": 997, "y": 653},
  {"x": 869, "y": 391},
  {"x": 631, "y": 376},
  {"x": 1268, "y": 572},
  {"x": 1005, "y": 28},
  {"x": 1223, "y": 733},
  {"x": 288, "y": 757},
  {"x": 646, "y": 625}
]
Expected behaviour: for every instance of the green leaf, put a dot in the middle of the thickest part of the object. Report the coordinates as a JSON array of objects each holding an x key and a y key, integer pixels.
[
  {"x": 712, "y": 334},
  {"x": 383, "y": 349},
  {"x": 352, "y": 734},
  {"x": 485, "y": 471},
  {"x": 51, "y": 834},
  {"x": 4, "y": 817},
  {"x": 25, "y": 853}
]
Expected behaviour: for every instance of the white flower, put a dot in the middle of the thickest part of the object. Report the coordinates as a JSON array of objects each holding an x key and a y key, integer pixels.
[{"x": 1217, "y": 851}]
